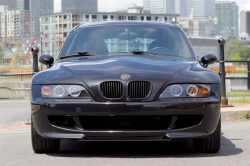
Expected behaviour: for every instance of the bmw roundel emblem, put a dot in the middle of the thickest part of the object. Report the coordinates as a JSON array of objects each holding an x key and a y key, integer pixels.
[{"x": 125, "y": 77}]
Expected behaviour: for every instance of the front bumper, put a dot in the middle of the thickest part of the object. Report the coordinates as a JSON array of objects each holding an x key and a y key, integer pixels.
[{"x": 43, "y": 108}]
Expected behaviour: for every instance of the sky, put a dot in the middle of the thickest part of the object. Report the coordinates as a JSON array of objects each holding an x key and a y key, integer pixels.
[{"x": 113, "y": 5}]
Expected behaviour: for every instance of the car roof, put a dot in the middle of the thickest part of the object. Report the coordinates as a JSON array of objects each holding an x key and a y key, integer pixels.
[{"x": 126, "y": 23}]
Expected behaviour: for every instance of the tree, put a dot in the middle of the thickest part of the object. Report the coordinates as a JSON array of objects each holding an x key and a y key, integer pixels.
[
  {"x": 236, "y": 49},
  {"x": 1, "y": 53}
]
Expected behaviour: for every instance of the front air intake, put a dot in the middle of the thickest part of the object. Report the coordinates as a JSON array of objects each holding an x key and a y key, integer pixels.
[
  {"x": 112, "y": 90},
  {"x": 138, "y": 89}
]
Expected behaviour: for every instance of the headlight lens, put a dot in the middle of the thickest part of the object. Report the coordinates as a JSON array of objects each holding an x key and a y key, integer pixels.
[
  {"x": 64, "y": 91},
  {"x": 186, "y": 90}
]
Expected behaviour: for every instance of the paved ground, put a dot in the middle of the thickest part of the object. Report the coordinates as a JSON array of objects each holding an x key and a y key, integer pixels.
[{"x": 15, "y": 146}]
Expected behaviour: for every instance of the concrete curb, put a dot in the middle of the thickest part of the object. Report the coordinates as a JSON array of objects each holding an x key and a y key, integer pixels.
[{"x": 234, "y": 113}]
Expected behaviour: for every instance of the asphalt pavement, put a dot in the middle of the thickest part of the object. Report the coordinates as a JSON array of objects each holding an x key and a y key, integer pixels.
[{"x": 15, "y": 146}]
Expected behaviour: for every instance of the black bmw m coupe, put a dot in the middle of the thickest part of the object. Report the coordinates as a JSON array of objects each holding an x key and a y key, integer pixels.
[{"x": 120, "y": 81}]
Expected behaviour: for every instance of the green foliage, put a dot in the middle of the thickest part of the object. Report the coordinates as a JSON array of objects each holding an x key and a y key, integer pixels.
[
  {"x": 236, "y": 56},
  {"x": 242, "y": 100},
  {"x": 1, "y": 53},
  {"x": 247, "y": 114},
  {"x": 238, "y": 94},
  {"x": 236, "y": 50}
]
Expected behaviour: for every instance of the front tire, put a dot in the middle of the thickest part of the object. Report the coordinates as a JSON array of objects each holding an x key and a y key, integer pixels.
[
  {"x": 41, "y": 144},
  {"x": 210, "y": 144}
]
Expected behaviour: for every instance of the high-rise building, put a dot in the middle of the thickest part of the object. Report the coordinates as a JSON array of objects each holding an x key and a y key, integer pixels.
[
  {"x": 159, "y": 6},
  {"x": 57, "y": 26},
  {"x": 79, "y": 5},
  {"x": 200, "y": 9},
  {"x": 226, "y": 19},
  {"x": 180, "y": 7},
  {"x": 15, "y": 25},
  {"x": 23, "y": 4},
  {"x": 39, "y": 8},
  {"x": 12, "y": 4},
  {"x": 245, "y": 22}
]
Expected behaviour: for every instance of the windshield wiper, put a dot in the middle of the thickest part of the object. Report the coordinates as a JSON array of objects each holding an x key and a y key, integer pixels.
[
  {"x": 139, "y": 52},
  {"x": 145, "y": 53},
  {"x": 79, "y": 54}
]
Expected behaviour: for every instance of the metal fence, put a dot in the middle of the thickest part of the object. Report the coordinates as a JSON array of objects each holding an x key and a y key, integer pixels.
[
  {"x": 15, "y": 86},
  {"x": 21, "y": 82},
  {"x": 248, "y": 71}
]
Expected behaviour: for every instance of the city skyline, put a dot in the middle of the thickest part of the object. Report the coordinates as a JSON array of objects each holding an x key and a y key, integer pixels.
[{"x": 113, "y": 5}]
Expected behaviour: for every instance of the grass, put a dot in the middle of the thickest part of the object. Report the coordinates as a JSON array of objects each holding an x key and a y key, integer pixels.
[
  {"x": 244, "y": 71},
  {"x": 15, "y": 79},
  {"x": 243, "y": 100},
  {"x": 238, "y": 94}
]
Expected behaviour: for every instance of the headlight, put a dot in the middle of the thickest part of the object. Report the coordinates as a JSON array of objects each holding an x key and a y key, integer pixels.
[
  {"x": 64, "y": 91},
  {"x": 186, "y": 90}
]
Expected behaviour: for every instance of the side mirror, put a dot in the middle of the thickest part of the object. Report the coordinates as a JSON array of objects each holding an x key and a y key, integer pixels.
[
  {"x": 208, "y": 59},
  {"x": 47, "y": 60}
]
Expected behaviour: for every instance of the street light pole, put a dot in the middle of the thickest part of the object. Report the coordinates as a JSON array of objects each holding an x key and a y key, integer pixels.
[
  {"x": 52, "y": 47},
  {"x": 224, "y": 100}
]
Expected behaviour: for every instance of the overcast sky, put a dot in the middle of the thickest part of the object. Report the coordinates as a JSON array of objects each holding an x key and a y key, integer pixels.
[{"x": 112, "y": 5}]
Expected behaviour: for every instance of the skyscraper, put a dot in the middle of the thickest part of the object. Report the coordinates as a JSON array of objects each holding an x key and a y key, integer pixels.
[
  {"x": 15, "y": 25},
  {"x": 245, "y": 22},
  {"x": 39, "y": 8},
  {"x": 227, "y": 19},
  {"x": 12, "y": 4},
  {"x": 159, "y": 6},
  {"x": 79, "y": 5},
  {"x": 200, "y": 9},
  {"x": 180, "y": 7},
  {"x": 23, "y": 4}
]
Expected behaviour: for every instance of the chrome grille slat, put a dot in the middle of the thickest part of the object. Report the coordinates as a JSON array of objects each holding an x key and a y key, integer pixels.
[
  {"x": 138, "y": 89},
  {"x": 112, "y": 89}
]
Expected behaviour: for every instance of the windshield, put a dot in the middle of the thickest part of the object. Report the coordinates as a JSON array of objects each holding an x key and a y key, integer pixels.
[{"x": 106, "y": 40}]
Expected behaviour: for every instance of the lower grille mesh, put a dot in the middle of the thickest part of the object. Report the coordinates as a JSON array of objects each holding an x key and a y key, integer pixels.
[{"x": 129, "y": 123}]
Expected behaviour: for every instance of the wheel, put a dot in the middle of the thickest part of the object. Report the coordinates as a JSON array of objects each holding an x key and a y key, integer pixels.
[
  {"x": 210, "y": 144},
  {"x": 41, "y": 144}
]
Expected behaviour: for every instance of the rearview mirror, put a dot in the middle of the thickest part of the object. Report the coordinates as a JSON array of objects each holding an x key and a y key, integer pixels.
[
  {"x": 208, "y": 59},
  {"x": 47, "y": 60}
]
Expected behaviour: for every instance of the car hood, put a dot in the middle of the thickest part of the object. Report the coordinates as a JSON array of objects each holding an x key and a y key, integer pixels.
[{"x": 92, "y": 71}]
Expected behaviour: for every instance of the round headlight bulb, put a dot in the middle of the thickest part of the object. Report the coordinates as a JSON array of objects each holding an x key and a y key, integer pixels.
[
  {"x": 192, "y": 90},
  {"x": 59, "y": 91},
  {"x": 74, "y": 91},
  {"x": 176, "y": 90}
]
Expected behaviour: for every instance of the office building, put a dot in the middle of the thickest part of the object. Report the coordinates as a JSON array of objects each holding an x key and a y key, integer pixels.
[
  {"x": 2, "y": 10},
  {"x": 12, "y": 4},
  {"x": 202, "y": 46},
  {"x": 245, "y": 22},
  {"x": 40, "y": 8},
  {"x": 79, "y": 6},
  {"x": 180, "y": 7},
  {"x": 23, "y": 4},
  {"x": 200, "y": 9},
  {"x": 15, "y": 25},
  {"x": 226, "y": 19},
  {"x": 197, "y": 27},
  {"x": 159, "y": 6},
  {"x": 57, "y": 26}
]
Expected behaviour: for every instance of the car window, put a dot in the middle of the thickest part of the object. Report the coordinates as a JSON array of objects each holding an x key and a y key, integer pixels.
[{"x": 127, "y": 38}]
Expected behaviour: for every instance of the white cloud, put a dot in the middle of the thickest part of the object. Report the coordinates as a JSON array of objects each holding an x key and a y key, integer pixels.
[{"x": 57, "y": 6}]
